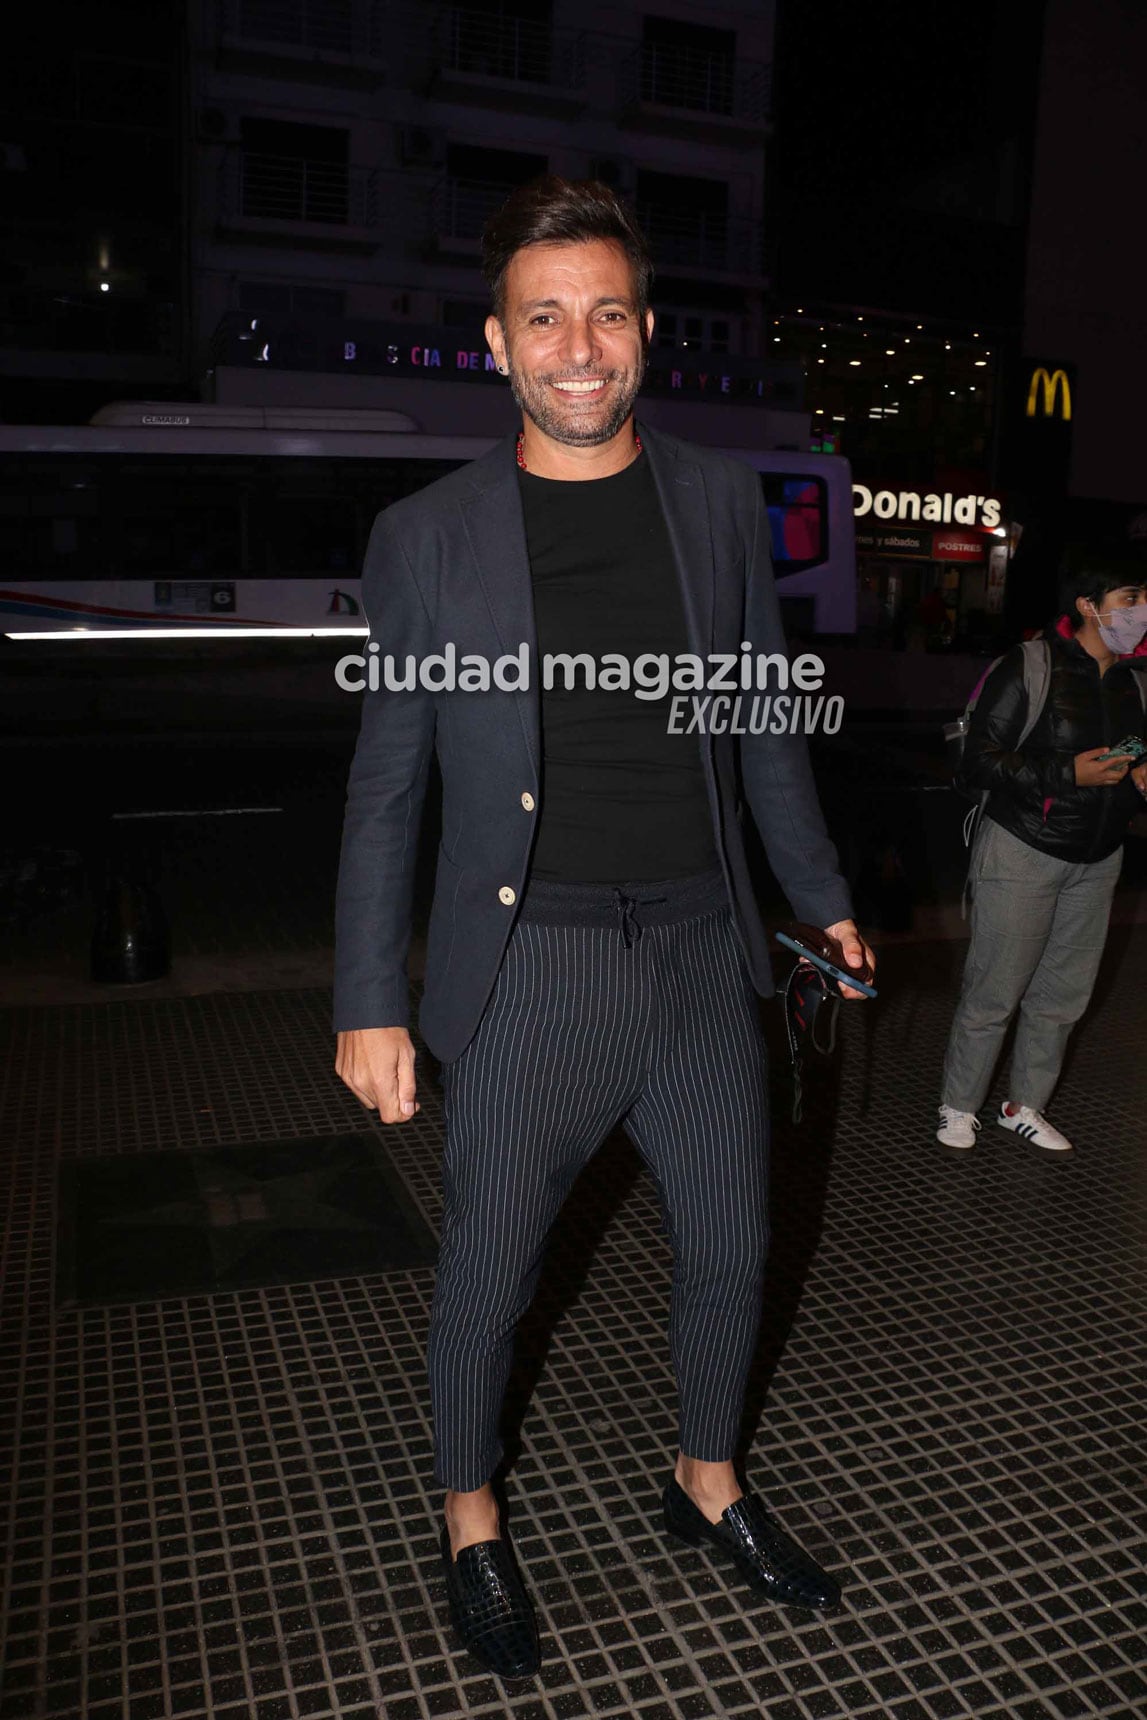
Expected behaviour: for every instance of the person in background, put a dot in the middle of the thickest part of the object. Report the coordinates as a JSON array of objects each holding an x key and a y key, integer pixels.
[
  {"x": 932, "y": 616},
  {"x": 1046, "y": 857}
]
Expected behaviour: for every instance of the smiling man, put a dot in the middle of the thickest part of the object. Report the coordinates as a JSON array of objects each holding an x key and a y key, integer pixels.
[{"x": 594, "y": 947}]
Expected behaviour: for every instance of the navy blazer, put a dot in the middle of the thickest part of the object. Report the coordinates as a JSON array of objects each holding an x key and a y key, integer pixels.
[{"x": 450, "y": 565}]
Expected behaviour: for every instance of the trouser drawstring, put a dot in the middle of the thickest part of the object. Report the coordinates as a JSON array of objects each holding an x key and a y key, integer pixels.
[{"x": 628, "y": 923}]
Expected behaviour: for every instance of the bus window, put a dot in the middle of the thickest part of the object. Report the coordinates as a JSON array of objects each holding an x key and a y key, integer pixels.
[
  {"x": 798, "y": 520},
  {"x": 188, "y": 534},
  {"x": 304, "y": 533},
  {"x": 49, "y": 528}
]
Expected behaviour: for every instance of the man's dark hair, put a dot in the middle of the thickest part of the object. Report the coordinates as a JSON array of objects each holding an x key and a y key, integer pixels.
[
  {"x": 1095, "y": 576},
  {"x": 550, "y": 210}
]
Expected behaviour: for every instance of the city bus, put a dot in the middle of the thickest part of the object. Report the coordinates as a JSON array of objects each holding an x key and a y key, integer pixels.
[{"x": 184, "y": 520}]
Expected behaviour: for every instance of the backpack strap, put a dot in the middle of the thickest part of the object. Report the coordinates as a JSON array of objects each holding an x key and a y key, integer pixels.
[
  {"x": 1037, "y": 680},
  {"x": 1037, "y": 683},
  {"x": 1139, "y": 676}
]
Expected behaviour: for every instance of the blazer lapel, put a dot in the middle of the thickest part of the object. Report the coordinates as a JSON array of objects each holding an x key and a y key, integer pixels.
[
  {"x": 685, "y": 504},
  {"x": 496, "y": 531}
]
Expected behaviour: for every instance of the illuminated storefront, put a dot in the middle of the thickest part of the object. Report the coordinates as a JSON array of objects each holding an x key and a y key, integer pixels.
[{"x": 931, "y": 563}]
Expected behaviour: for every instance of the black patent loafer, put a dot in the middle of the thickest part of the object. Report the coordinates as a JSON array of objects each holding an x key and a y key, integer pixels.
[
  {"x": 489, "y": 1608},
  {"x": 765, "y": 1556}
]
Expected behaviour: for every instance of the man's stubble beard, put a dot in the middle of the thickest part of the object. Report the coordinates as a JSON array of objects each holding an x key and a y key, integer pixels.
[{"x": 532, "y": 397}]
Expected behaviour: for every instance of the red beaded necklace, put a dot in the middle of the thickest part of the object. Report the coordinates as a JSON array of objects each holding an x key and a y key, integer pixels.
[{"x": 522, "y": 457}]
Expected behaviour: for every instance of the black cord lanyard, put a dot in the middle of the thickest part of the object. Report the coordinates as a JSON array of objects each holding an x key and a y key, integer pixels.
[{"x": 806, "y": 995}]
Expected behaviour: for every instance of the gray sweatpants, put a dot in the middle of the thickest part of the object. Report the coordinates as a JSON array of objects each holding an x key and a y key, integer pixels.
[{"x": 1038, "y": 929}]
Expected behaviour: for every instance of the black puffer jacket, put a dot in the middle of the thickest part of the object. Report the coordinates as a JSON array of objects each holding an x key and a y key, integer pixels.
[{"x": 1033, "y": 791}]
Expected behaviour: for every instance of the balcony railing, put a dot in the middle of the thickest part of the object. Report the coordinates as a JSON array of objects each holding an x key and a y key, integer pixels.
[
  {"x": 347, "y": 28},
  {"x": 515, "y": 50},
  {"x": 712, "y": 85},
  {"x": 281, "y": 188},
  {"x": 710, "y": 242},
  {"x": 460, "y": 208}
]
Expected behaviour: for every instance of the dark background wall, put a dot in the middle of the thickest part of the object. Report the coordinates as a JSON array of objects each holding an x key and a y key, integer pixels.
[
  {"x": 901, "y": 164},
  {"x": 93, "y": 206}
]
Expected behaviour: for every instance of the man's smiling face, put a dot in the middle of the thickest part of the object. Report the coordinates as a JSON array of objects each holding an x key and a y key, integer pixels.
[{"x": 573, "y": 340}]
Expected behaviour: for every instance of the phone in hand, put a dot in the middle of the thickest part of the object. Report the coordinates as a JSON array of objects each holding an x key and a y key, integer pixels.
[
  {"x": 1132, "y": 747},
  {"x": 826, "y": 954}
]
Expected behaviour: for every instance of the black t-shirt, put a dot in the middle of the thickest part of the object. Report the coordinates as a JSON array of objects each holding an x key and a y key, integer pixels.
[{"x": 622, "y": 798}]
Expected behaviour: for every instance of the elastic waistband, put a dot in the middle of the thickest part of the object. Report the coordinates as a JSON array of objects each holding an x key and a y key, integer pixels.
[{"x": 627, "y": 906}]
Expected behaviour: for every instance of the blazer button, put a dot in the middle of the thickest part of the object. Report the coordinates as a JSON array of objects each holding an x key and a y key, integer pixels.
[
  {"x": 507, "y": 896},
  {"x": 528, "y": 801}
]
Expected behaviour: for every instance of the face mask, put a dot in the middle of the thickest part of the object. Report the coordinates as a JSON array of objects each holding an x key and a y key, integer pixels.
[{"x": 1122, "y": 629}]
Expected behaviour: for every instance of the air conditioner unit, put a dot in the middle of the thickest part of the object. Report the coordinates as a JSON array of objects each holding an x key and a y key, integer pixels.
[
  {"x": 420, "y": 147},
  {"x": 212, "y": 125}
]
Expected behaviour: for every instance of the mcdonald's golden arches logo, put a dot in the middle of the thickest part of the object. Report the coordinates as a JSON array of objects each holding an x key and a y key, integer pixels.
[{"x": 1045, "y": 386}]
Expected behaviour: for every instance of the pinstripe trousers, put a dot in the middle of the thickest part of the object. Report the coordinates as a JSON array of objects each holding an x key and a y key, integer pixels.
[{"x": 586, "y": 1028}]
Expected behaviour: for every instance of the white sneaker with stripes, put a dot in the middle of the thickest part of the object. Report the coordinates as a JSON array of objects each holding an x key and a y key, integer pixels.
[
  {"x": 957, "y": 1128},
  {"x": 1030, "y": 1126}
]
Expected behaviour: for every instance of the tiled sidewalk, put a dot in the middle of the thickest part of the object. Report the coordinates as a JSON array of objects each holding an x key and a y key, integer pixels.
[{"x": 221, "y": 1505}]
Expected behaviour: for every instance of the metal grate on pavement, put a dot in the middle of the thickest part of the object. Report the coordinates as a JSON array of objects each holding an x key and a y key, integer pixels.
[{"x": 220, "y": 1505}]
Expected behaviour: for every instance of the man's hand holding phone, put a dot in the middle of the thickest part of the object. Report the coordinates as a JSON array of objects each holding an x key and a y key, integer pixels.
[{"x": 856, "y": 953}]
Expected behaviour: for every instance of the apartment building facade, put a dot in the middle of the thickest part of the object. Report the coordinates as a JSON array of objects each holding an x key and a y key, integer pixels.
[{"x": 347, "y": 154}]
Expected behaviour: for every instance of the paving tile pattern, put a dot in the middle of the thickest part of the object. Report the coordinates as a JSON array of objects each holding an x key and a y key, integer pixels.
[{"x": 222, "y": 1506}]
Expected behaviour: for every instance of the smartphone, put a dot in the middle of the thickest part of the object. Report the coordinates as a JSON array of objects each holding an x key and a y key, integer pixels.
[
  {"x": 1132, "y": 746},
  {"x": 842, "y": 974}
]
